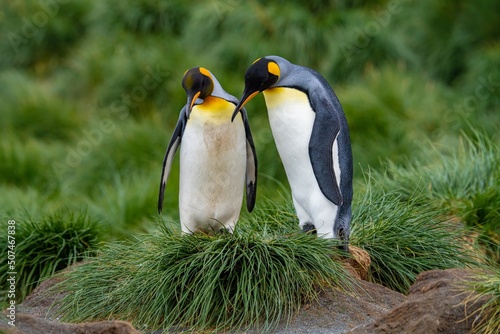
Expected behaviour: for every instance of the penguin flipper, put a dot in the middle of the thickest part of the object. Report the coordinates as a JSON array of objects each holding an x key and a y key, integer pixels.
[
  {"x": 169, "y": 155},
  {"x": 325, "y": 130},
  {"x": 251, "y": 171}
]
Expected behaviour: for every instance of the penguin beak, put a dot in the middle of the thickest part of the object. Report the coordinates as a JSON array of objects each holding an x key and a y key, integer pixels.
[
  {"x": 190, "y": 102},
  {"x": 247, "y": 96}
]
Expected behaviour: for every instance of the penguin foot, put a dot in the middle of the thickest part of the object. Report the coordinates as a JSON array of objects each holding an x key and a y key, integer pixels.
[
  {"x": 224, "y": 231},
  {"x": 309, "y": 228},
  {"x": 344, "y": 245}
]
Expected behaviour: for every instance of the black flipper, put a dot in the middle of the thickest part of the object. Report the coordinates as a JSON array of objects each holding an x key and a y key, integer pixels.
[
  {"x": 251, "y": 172},
  {"x": 169, "y": 155},
  {"x": 325, "y": 130}
]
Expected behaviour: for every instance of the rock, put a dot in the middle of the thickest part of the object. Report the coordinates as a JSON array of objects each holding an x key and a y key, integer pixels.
[
  {"x": 28, "y": 324},
  {"x": 40, "y": 302},
  {"x": 35, "y": 316},
  {"x": 435, "y": 305},
  {"x": 338, "y": 312}
]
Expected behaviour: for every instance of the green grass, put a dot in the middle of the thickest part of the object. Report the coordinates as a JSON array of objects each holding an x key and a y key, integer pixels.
[
  {"x": 24, "y": 163},
  {"x": 486, "y": 287},
  {"x": 31, "y": 109},
  {"x": 37, "y": 35},
  {"x": 262, "y": 273},
  {"x": 127, "y": 205},
  {"x": 118, "y": 151},
  {"x": 450, "y": 173},
  {"x": 440, "y": 51},
  {"x": 410, "y": 88},
  {"x": 480, "y": 98},
  {"x": 405, "y": 238},
  {"x": 44, "y": 246},
  {"x": 463, "y": 181},
  {"x": 141, "y": 17},
  {"x": 168, "y": 280},
  {"x": 389, "y": 118}
]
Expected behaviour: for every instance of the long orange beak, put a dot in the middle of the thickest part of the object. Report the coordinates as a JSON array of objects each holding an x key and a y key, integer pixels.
[
  {"x": 191, "y": 101},
  {"x": 244, "y": 99}
]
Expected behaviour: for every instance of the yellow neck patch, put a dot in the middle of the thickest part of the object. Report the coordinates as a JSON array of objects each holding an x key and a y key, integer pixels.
[
  {"x": 213, "y": 110},
  {"x": 278, "y": 96}
]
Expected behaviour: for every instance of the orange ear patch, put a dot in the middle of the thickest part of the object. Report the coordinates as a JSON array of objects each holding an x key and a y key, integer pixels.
[
  {"x": 273, "y": 68},
  {"x": 205, "y": 72}
]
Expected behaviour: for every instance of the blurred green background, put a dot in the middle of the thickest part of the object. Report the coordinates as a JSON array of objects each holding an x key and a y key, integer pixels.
[{"x": 90, "y": 90}]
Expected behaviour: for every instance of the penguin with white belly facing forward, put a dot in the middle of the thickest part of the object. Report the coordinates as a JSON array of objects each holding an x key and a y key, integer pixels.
[
  {"x": 312, "y": 137},
  {"x": 217, "y": 157}
]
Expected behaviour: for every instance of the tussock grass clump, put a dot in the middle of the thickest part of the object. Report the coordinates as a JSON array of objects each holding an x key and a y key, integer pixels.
[
  {"x": 463, "y": 181},
  {"x": 45, "y": 246},
  {"x": 453, "y": 175},
  {"x": 169, "y": 280},
  {"x": 404, "y": 238},
  {"x": 486, "y": 287}
]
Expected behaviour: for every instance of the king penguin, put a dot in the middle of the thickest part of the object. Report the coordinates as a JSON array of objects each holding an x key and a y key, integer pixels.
[
  {"x": 312, "y": 137},
  {"x": 217, "y": 157}
]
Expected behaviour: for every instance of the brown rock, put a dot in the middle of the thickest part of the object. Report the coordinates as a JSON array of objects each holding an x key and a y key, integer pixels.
[
  {"x": 35, "y": 316},
  {"x": 337, "y": 312},
  {"x": 435, "y": 305},
  {"x": 28, "y": 324}
]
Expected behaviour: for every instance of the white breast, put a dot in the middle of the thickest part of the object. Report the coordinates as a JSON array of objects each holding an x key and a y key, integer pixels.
[
  {"x": 292, "y": 119},
  {"x": 212, "y": 170}
]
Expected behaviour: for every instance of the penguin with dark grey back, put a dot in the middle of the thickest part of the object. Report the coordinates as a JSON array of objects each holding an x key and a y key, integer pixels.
[
  {"x": 217, "y": 157},
  {"x": 312, "y": 137}
]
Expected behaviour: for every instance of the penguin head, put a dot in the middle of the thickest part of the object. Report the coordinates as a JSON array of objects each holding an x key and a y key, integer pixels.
[
  {"x": 261, "y": 75},
  {"x": 198, "y": 84}
]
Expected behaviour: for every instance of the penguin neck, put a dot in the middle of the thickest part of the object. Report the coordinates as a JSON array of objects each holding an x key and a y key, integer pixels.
[
  {"x": 292, "y": 118},
  {"x": 278, "y": 97},
  {"x": 213, "y": 109},
  {"x": 290, "y": 114}
]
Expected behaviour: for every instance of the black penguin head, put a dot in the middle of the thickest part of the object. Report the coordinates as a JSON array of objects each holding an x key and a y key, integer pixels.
[
  {"x": 261, "y": 75},
  {"x": 197, "y": 82}
]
